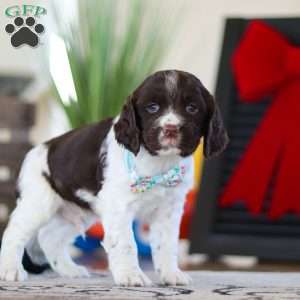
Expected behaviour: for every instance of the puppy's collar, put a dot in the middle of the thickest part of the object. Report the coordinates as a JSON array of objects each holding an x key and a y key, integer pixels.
[{"x": 140, "y": 184}]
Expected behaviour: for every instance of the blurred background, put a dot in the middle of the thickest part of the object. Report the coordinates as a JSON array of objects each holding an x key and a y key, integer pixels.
[{"x": 91, "y": 55}]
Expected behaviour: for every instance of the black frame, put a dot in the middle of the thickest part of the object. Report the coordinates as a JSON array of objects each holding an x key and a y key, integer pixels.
[{"x": 204, "y": 239}]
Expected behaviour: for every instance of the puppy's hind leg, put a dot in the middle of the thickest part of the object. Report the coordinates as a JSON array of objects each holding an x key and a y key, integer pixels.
[
  {"x": 37, "y": 204},
  {"x": 24, "y": 222},
  {"x": 35, "y": 252},
  {"x": 54, "y": 239}
]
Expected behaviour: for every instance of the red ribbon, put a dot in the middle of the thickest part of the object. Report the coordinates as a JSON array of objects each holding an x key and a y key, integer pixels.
[{"x": 265, "y": 64}]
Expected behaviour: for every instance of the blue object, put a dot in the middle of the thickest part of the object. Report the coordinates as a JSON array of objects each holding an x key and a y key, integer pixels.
[{"x": 87, "y": 244}]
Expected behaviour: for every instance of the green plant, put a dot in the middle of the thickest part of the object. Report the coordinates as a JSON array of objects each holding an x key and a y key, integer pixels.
[{"x": 111, "y": 47}]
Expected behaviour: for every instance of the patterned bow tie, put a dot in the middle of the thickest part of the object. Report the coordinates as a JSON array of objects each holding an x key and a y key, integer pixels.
[{"x": 140, "y": 184}]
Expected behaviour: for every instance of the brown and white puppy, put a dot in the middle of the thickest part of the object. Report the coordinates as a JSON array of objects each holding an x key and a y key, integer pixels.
[{"x": 68, "y": 182}]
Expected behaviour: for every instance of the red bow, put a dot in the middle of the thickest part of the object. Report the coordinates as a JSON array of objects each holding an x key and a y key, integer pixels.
[{"x": 266, "y": 64}]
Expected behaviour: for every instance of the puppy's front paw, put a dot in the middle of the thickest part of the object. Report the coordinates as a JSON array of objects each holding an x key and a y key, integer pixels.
[
  {"x": 175, "y": 277},
  {"x": 131, "y": 278},
  {"x": 12, "y": 274}
]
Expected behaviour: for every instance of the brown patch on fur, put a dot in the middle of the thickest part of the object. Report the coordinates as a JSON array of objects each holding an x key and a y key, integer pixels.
[
  {"x": 126, "y": 130},
  {"x": 75, "y": 163}
]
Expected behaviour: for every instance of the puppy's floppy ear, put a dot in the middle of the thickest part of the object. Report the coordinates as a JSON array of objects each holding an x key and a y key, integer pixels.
[
  {"x": 126, "y": 131},
  {"x": 215, "y": 135}
]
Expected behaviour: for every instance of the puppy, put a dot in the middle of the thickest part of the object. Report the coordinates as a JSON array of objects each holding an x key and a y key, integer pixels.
[{"x": 137, "y": 165}]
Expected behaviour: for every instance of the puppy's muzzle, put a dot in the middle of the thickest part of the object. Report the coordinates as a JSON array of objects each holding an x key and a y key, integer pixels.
[{"x": 170, "y": 131}]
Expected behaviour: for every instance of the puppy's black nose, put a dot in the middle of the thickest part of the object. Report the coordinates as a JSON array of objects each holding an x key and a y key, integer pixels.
[{"x": 170, "y": 131}]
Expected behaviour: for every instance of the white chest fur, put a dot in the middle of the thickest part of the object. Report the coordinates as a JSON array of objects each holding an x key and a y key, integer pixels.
[{"x": 116, "y": 186}]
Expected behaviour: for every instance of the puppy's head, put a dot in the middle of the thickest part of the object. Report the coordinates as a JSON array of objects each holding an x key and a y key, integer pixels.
[{"x": 168, "y": 114}]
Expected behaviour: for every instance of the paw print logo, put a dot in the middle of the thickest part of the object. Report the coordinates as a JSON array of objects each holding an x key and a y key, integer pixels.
[{"x": 24, "y": 32}]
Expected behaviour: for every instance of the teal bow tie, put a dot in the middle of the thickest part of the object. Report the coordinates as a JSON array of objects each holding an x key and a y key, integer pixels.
[{"x": 140, "y": 184}]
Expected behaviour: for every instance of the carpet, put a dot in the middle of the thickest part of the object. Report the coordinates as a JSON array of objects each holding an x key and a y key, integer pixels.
[{"x": 206, "y": 285}]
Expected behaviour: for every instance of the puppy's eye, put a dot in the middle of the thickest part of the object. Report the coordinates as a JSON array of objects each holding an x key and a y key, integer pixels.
[
  {"x": 191, "y": 109},
  {"x": 152, "y": 108}
]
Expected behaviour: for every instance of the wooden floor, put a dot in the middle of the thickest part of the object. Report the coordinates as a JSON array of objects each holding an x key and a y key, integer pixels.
[{"x": 206, "y": 285}]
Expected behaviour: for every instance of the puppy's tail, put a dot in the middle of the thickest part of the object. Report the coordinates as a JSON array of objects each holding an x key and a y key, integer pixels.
[
  {"x": 32, "y": 267},
  {"x": 34, "y": 260}
]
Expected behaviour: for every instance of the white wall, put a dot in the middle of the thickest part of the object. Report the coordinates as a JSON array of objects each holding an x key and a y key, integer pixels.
[{"x": 196, "y": 48}]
